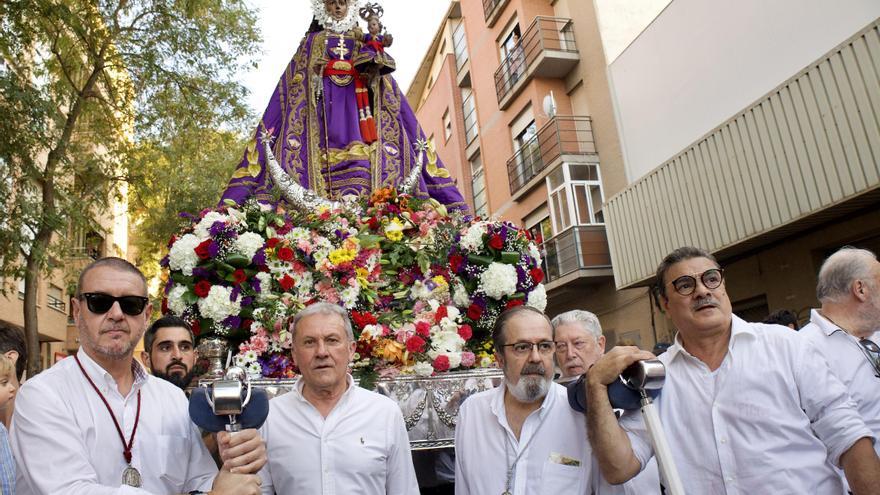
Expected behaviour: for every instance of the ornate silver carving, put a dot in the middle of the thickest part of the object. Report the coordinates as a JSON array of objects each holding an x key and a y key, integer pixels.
[
  {"x": 412, "y": 180},
  {"x": 295, "y": 194}
]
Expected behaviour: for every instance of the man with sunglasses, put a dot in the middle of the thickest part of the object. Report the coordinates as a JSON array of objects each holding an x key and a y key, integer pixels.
[
  {"x": 845, "y": 328},
  {"x": 522, "y": 437},
  {"x": 96, "y": 423},
  {"x": 747, "y": 407}
]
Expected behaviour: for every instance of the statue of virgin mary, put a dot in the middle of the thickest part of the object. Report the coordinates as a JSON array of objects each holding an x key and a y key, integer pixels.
[{"x": 337, "y": 122}]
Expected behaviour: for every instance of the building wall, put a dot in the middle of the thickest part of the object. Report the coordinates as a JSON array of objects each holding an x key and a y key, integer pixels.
[{"x": 702, "y": 61}]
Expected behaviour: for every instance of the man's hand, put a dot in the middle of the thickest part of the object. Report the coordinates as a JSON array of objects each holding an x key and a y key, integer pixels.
[
  {"x": 227, "y": 483},
  {"x": 609, "y": 367},
  {"x": 243, "y": 452}
]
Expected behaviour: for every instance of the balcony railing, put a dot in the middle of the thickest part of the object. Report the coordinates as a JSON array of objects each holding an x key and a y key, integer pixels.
[
  {"x": 578, "y": 248},
  {"x": 459, "y": 46},
  {"x": 546, "y": 49},
  {"x": 561, "y": 136}
]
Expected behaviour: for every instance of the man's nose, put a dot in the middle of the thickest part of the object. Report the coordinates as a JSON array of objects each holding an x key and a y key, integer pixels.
[
  {"x": 115, "y": 312},
  {"x": 176, "y": 352}
]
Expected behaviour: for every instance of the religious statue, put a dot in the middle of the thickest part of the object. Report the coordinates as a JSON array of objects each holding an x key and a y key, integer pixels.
[{"x": 337, "y": 123}]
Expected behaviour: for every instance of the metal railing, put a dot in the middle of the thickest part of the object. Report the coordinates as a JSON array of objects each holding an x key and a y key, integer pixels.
[
  {"x": 545, "y": 33},
  {"x": 459, "y": 46},
  {"x": 577, "y": 248},
  {"x": 563, "y": 135},
  {"x": 469, "y": 109}
]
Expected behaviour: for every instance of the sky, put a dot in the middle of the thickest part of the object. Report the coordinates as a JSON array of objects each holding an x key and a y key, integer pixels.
[{"x": 283, "y": 23}]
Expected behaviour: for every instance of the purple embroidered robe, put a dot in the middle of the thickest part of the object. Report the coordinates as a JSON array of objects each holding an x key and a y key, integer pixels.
[{"x": 317, "y": 139}]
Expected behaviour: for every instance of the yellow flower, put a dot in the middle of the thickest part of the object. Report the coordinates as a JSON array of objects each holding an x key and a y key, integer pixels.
[
  {"x": 394, "y": 230},
  {"x": 342, "y": 255},
  {"x": 441, "y": 282},
  {"x": 362, "y": 274},
  {"x": 390, "y": 350}
]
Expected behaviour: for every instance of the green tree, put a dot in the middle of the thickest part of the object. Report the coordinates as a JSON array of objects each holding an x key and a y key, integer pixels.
[{"x": 85, "y": 86}]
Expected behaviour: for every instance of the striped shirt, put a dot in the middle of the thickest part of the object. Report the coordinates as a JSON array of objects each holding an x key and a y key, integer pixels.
[{"x": 7, "y": 464}]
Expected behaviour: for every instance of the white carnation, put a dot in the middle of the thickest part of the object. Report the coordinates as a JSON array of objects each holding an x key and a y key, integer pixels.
[
  {"x": 182, "y": 255},
  {"x": 444, "y": 342},
  {"x": 538, "y": 297},
  {"x": 420, "y": 291},
  {"x": 535, "y": 253},
  {"x": 203, "y": 229},
  {"x": 175, "y": 300},
  {"x": 423, "y": 369},
  {"x": 460, "y": 296},
  {"x": 349, "y": 296},
  {"x": 248, "y": 244},
  {"x": 217, "y": 305},
  {"x": 265, "y": 280},
  {"x": 472, "y": 240},
  {"x": 499, "y": 280},
  {"x": 454, "y": 359}
]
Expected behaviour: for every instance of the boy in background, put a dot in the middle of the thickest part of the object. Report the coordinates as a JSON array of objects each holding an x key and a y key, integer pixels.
[{"x": 8, "y": 387}]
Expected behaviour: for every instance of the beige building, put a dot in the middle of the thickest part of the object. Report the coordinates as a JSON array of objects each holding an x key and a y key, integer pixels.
[
  {"x": 761, "y": 145},
  {"x": 515, "y": 96}
]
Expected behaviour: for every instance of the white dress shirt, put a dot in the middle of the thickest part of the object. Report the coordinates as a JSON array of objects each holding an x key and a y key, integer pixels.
[
  {"x": 65, "y": 443},
  {"x": 760, "y": 423},
  {"x": 842, "y": 352},
  {"x": 361, "y": 447},
  {"x": 558, "y": 459}
]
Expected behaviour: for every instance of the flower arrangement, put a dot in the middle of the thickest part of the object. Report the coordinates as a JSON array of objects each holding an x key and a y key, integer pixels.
[{"x": 423, "y": 287}]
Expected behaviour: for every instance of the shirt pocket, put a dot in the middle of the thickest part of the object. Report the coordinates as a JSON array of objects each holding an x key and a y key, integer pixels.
[
  {"x": 557, "y": 479},
  {"x": 172, "y": 454}
]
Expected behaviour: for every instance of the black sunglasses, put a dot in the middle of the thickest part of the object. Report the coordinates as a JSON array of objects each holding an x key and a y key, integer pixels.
[
  {"x": 872, "y": 352},
  {"x": 101, "y": 303}
]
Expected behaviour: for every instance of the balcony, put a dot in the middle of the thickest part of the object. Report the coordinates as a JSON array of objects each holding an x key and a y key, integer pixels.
[
  {"x": 546, "y": 49},
  {"x": 580, "y": 252},
  {"x": 492, "y": 10},
  {"x": 564, "y": 138}
]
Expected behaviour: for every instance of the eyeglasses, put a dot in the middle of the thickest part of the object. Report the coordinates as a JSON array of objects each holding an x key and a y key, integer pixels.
[
  {"x": 101, "y": 303},
  {"x": 577, "y": 345},
  {"x": 545, "y": 347},
  {"x": 687, "y": 284},
  {"x": 872, "y": 353}
]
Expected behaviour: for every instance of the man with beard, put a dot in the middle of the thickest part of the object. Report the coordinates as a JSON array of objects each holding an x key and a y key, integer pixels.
[
  {"x": 846, "y": 330},
  {"x": 746, "y": 407},
  {"x": 97, "y": 424},
  {"x": 522, "y": 437},
  {"x": 169, "y": 351}
]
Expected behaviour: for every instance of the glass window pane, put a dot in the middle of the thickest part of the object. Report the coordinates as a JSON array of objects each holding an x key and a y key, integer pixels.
[
  {"x": 596, "y": 198},
  {"x": 583, "y": 172},
  {"x": 564, "y": 205},
  {"x": 582, "y": 204},
  {"x": 556, "y": 178}
]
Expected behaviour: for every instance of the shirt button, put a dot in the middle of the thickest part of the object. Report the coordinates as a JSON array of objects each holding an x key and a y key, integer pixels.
[
  {"x": 730, "y": 478},
  {"x": 723, "y": 440}
]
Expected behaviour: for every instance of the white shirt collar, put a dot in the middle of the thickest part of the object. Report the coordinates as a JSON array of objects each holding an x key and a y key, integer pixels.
[
  {"x": 824, "y": 324},
  {"x": 104, "y": 380},
  {"x": 738, "y": 327}
]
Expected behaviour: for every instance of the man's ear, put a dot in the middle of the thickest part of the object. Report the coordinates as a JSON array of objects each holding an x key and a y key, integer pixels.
[
  {"x": 601, "y": 343},
  {"x": 860, "y": 290},
  {"x": 145, "y": 358}
]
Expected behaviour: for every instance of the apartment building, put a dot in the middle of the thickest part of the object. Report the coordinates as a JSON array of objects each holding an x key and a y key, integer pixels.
[
  {"x": 751, "y": 129},
  {"x": 514, "y": 94}
]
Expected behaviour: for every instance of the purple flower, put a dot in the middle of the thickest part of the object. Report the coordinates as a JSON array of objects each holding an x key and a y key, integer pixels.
[
  {"x": 164, "y": 262},
  {"x": 232, "y": 322},
  {"x": 236, "y": 291},
  {"x": 199, "y": 272},
  {"x": 247, "y": 301},
  {"x": 259, "y": 258},
  {"x": 213, "y": 249}
]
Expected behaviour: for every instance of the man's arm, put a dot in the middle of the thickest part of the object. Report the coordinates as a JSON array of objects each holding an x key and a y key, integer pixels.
[
  {"x": 862, "y": 467},
  {"x": 461, "y": 487},
  {"x": 611, "y": 444},
  {"x": 400, "y": 473}
]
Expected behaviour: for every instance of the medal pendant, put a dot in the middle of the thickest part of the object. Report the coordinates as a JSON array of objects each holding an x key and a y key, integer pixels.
[
  {"x": 131, "y": 477},
  {"x": 506, "y": 493}
]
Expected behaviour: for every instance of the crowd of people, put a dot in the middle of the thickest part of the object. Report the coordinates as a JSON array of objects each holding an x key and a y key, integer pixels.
[{"x": 747, "y": 407}]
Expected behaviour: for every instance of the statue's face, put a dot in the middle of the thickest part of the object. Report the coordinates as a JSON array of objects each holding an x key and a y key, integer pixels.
[
  {"x": 337, "y": 9},
  {"x": 374, "y": 25}
]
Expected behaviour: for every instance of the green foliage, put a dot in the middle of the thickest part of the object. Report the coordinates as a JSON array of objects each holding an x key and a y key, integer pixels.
[{"x": 102, "y": 94}]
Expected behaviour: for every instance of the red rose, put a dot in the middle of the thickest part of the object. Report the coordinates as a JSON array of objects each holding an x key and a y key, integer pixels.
[
  {"x": 496, "y": 242},
  {"x": 513, "y": 303},
  {"x": 373, "y": 223},
  {"x": 361, "y": 320},
  {"x": 415, "y": 344},
  {"x": 440, "y": 314},
  {"x": 441, "y": 363},
  {"x": 271, "y": 243},
  {"x": 537, "y": 275},
  {"x": 284, "y": 253},
  {"x": 455, "y": 262},
  {"x": 423, "y": 328},
  {"x": 196, "y": 327},
  {"x": 465, "y": 332},
  {"x": 202, "y": 288},
  {"x": 239, "y": 276},
  {"x": 287, "y": 282},
  {"x": 202, "y": 249},
  {"x": 474, "y": 312}
]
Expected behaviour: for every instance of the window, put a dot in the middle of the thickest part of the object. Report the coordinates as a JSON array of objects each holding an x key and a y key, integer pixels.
[
  {"x": 528, "y": 154},
  {"x": 55, "y": 298},
  {"x": 478, "y": 184},
  {"x": 21, "y": 289},
  {"x": 542, "y": 231},
  {"x": 447, "y": 125},
  {"x": 576, "y": 196},
  {"x": 469, "y": 109},
  {"x": 512, "y": 57}
]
